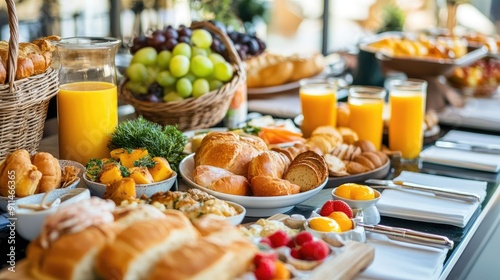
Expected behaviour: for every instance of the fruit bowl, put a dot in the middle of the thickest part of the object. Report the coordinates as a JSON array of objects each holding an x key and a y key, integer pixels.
[
  {"x": 364, "y": 209},
  {"x": 356, "y": 234},
  {"x": 196, "y": 111},
  {"x": 256, "y": 206}
]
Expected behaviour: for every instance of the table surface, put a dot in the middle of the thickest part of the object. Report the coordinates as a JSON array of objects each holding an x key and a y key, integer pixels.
[{"x": 460, "y": 236}]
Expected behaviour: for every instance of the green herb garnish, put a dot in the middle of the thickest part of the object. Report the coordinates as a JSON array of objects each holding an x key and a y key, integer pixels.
[
  {"x": 167, "y": 142},
  {"x": 94, "y": 168},
  {"x": 249, "y": 129},
  {"x": 146, "y": 161}
]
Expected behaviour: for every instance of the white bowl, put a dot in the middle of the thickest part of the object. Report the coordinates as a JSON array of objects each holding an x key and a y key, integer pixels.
[
  {"x": 256, "y": 206},
  {"x": 98, "y": 189},
  {"x": 29, "y": 222},
  {"x": 356, "y": 234},
  {"x": 236, "y": 219},
  {"x": 4, "y": 201},
  {"x": 365, "y": 209}
]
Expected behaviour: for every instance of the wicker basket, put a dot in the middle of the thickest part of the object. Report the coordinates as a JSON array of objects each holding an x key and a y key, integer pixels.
[
  {"x": 193, "y": 113},
  {"x": 23, "y": 103}
]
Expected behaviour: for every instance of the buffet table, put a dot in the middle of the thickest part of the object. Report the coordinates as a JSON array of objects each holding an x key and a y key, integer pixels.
[{"x": 460, "y": 236}]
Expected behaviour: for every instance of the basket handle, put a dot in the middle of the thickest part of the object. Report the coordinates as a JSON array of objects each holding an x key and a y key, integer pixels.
[
  {"x": 13, "y": 43},
  {"x": 233, "y": 54}
]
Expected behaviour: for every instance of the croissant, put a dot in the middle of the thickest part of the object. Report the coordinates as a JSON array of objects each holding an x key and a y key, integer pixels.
[
  {"x": 17, "y": 168},
  {"x": 269, "y": 186},
  {"x": 268, "y": 163},
  {"x": 51, "y": 172},
  {"x": 221, "y": 180}
]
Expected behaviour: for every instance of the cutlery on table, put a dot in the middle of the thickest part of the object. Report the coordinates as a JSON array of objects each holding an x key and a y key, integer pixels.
[
  {"x": 480, "y": 148},
  {"x": 412, "y": 236},
  {"x": 453, "y": 194}
]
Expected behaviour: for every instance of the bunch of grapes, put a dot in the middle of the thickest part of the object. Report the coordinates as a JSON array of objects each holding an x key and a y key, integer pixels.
[{"x": 172, "y": 65}]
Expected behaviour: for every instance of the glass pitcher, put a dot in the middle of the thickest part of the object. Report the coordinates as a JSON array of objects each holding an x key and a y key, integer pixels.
[{"x": 87, "y": 102}]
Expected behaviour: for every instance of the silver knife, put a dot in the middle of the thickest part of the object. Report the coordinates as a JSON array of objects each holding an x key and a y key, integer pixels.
[
  {"x": 412, "y": 236},
  {"x": 453, "y": 194},
  {"x": 479, "y": 148}
]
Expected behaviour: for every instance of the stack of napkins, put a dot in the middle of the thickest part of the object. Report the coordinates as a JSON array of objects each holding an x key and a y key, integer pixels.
[
  {"x": 407, "y": 260},
  {"x": 481, "y": 161},
  {"x": 477, "y": 113},
  {"x": 425, "y": 206}
]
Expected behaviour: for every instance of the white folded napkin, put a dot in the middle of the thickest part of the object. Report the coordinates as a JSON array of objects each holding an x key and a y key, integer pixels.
[
  {"x": 406, "y": 260},
  {"x": 283, "y": 106},
  {"x": 426, "y": 207},
  {"x": 465, "y": 159},
  {"x": 477, "y": 113}
]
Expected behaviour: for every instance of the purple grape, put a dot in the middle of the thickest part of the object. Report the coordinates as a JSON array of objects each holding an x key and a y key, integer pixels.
[
  {"x": 253, "y": 47},
  {"x": 157, "y": 39},
  {"x": 185, "y": 32},
  {"x": 171, "y": 43},
  {"x": 233, "y": 36},
  {"x": 184, "y": 39},
  {"x": 140, "y": 40},
  {"x": 135, "y": 48},
  {"x": 171, "y": 33},
  {"x": 242, "y": 54},
  {"x": 152, "y": 98}
]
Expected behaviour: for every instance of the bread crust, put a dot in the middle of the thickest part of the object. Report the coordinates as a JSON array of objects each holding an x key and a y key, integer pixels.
[
  {"x": 26, "y": 176},
  {"x": 51, "y": 171},
  {"x": 268, "y": 163},
  {"x": 221, "y": 180},
  {"x": 269, "y": 186}
]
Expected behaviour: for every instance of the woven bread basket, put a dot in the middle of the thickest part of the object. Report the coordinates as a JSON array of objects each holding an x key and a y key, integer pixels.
[
  {"x": 23, "y": 103},
  {"x": 193, "y": 113}
]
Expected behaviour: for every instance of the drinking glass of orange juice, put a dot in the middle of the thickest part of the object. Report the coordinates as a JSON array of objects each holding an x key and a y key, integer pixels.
[
  {"x": 87, "y": 102},
  {"x": 407, "y": 106},
  {"x": 366, "y": 106},
  {"x": 318, "y": 101}
]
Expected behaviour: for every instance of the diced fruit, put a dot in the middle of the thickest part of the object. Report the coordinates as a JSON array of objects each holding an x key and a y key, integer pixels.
[
  {"x": 201, "y": 38},
  {"x": 146, "y": 56},
  {"x": 162, "y": 170},
  {"x": 182, "y": 49},
  {"x": 279, "y": 239},
  {"x": 223, "y": 71},
  {"x": 303, "y": 237},
  {"x": 128, "y": 158},
  {"x": 184, "y": 87},
  {"x": 314, "y": 250},
  {"x": 115, "y": 154},
  {"x": 120, "y": 190},
  {"x": 137, "y": 72},
  {"x": 141, "y": 175},
  {"x": 341, "y": 218},
  {"x": 327, "y": 208},
  {"x": 324, "y": 224},
  {"x": 200, "y": 87},
  {"x": 110, "y": 174}
]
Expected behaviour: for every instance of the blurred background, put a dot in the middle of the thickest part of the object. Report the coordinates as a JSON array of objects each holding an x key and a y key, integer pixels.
[{"x": 288, "y": 26}]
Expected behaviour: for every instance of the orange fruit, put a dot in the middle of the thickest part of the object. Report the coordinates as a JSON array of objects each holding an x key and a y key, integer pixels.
[
  {"x": 324, "y": 224},
  {"x": 342, "y": 219},
  {"x": 281, "y": 271},
  {"x": 344, "y": 190},
  {"x": 362, "y": 193}
]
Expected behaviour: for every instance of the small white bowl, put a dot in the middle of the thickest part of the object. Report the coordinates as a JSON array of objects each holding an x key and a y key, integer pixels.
[
  {"x": 363, "y": 208},
  {"x": 236, "y": 219},
  {"x": 357, "y": 233},
  {"x": 98, "y": 189},
  {"x": 29, "y": 222}
]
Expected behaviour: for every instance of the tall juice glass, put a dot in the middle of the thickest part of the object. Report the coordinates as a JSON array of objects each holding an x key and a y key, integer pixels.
[
  {"x": 366, "y": 106},
  {"x": 87, "y": 103},
  {"x": 318, "y": 100},
  {"x": 407, "y": 103}
]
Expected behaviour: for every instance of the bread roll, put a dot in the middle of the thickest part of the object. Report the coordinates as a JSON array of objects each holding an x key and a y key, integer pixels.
[
  {"x": 374, "y": 158},
  {"x": 51, "y": 171},
  {"x": 137, "y": 249},
  {"x": 206, "y": 258},
  {"x": 229, "y": 151},
  {"x": 17, "y": 168},
  {"x": 353, "y": 167},
  {"x": 365, "y": 161},
  {"x": 349, "y": 136},
  {"x": 365, "y": 145},
  {"x": 269, "y": 186},
  {"x": 221, "y": 180},
  {"x": 268, "y": 163}
]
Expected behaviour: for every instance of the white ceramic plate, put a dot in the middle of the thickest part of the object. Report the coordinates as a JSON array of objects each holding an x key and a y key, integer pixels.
[
  {"x": 4, "y": 201},
  {"x": 256, "y": 206}
]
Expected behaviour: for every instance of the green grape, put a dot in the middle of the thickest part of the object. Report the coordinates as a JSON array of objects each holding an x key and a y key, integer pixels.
[
  {"x": 201, "y": 66},
  {"x": 137, "y": 72},
  {"x": 182, "y": 49},
  {"x": 151, "y": 76},
  {"x": 163, "y": 59},
  {"x": 184, "y": 87},
  {"x": 172, "y": 97},
  {"x": 179, "y": 66},
  {"x": 136, "y": 87},
  {"x": 223, "y": 71},
  {"x": 201, "y": 38},
  {"x": 215, "y": 84},
  {"x": 190, "y": 76},
  {"x": 165, "y": 78},
  {"x": 146, "y": 56},
  {"x": 200, "y": 87},
  {"x": 199, "y": 51},
  {"x": 215, "y": 58}
]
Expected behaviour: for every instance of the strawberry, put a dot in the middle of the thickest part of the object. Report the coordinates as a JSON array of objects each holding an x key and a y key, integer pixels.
[
  {"x": 257, "y": 259},
  {"x": 291, "y": 243},
  {"x": 327, "y": 208},
  {"x": 314, "y": 250},
  {"x": 302, "y": 237},
  {"x": 279, "y": 239},
  {"x": 267, "y": 241},
  {"x": 339, "y": 205},
  {"x": 296, "y": 253},
  {"x": 265, "y": 270}
]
